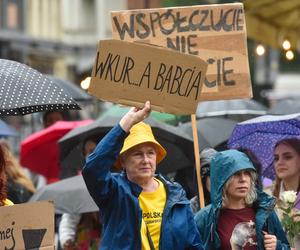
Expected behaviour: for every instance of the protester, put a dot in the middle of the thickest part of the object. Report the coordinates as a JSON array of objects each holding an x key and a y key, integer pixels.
[
  {"x": 240, "y": 216},
  {"x": 81, "y": 231},
  {"x": 287, "y": 168},
  {"x": 141, "y": 209},
  {"x": 19, "y": 187},
  {"x": 50, "y": 117},
  {"x": 205, "y": 158},
  {"x": 256, "y": 164},
  {"x": 3, "y": 195}
]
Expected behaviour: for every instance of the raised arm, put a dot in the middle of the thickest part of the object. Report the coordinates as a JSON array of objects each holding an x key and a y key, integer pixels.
[{"x": 96, "y": 173}]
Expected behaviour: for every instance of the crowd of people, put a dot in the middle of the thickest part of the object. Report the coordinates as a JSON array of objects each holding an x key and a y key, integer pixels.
[{"x": 142, "y": 209}]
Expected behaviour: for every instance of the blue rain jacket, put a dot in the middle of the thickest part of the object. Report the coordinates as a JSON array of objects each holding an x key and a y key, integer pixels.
[
  {"x": 224, "y": 165},
  {"x": 117, "y": 199}
]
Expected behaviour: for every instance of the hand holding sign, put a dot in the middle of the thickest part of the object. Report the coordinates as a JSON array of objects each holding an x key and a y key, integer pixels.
[
  {"x": 132, "y": 73},
  {"x": 134, "y": 116}
]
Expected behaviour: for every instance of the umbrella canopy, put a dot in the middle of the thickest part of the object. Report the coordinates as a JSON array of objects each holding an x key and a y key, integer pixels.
[
  {"x": 285, "y": 107},
  {"x": 69, "y": 195},
  {"x": 212, "y": 131},
  {"x": 239, "y": 109},
  {"x": 24, "y": 90},
  {"x": 40, "y": 151},
  {"x": 261, "y": 134},
  {"x": 119, "y": 111},
  {"x": 6, "y": 130},
  {"x": 72, "y": 89},
  {"x": 178, "y": 144}
]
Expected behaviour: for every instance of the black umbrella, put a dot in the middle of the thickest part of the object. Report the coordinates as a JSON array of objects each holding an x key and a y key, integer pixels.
[
  {"x": 212, "y": 131},
  {"x": 239, "y": 109},
  {"x": 24, "y": 90},
  {"x": 69, "y": 195},
  {"x": 285, "y": 107},
  {"x": 71, "y": 88},
  {"x": 178, "y": 144}
]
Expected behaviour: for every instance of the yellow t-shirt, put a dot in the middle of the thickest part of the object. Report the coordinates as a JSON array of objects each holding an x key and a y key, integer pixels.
[
  {"x": 7, "y": 202},
  {"x": 152, "y": 205}
]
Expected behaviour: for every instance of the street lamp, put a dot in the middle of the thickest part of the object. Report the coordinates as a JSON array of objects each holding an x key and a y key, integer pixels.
[
  {"x": 289, "y": 55},
  {"x": 286, "y": 45},
  {"x": 260, "y": 50},
  {"x": 85, "y": 83}
]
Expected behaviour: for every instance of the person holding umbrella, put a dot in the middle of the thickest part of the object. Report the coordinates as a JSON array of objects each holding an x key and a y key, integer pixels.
[
  {"x": 52, "y": 116},
  {"x": 140, "y": 209},
  {"x": 79, "y": 230},
  {"x": 240, "y": 216}
]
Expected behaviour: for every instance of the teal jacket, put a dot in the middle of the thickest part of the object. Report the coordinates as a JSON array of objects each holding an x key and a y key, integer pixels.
[
  {"x": 117, "y": 199},
  {"x": 224, "y": 165}
]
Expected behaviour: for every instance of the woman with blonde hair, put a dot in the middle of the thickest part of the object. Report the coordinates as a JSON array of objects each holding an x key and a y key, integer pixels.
[
  {"x": 19, "y": 187},
  {"x": 240, "y": 215}
]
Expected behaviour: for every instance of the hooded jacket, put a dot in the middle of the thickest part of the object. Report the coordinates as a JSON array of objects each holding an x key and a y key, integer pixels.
[
  {"x": 224, "y": 165},
  {"x": 117, "y": 198}
]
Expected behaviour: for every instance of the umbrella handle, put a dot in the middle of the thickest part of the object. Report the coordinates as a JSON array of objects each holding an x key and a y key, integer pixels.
[{"x": 197, "y": 161}]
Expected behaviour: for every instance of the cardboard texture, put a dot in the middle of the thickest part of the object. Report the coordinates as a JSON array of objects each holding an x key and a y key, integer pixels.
[
  {"x": 216, "y": 33},
  {"x": 27, "y": 226},
  {"x": 132, "y": 73}
]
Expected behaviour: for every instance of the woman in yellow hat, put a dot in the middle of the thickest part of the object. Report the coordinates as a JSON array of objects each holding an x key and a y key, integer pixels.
[{"x": 140, "y": 209}]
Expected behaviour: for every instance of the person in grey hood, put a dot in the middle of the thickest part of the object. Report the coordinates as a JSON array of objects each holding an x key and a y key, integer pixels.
[
  {"x": 240, "y": 216},
  {"x": 205, "y": 158}
]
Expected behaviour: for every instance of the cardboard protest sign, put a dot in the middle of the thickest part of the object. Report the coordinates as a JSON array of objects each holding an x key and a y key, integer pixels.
[
  {"x": 131, "y": 73},
  {"x": 215, "y": 33},
  {"x": 27, "y": 226}
]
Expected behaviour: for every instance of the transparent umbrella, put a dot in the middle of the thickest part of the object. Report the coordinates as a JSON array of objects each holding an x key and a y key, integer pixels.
[
  {"x": 239, "y": 109},
  {"x": 285, "y": 107}
]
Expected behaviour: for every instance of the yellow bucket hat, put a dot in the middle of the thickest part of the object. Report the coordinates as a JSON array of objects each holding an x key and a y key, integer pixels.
[{"x": 138, "y": 134}]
